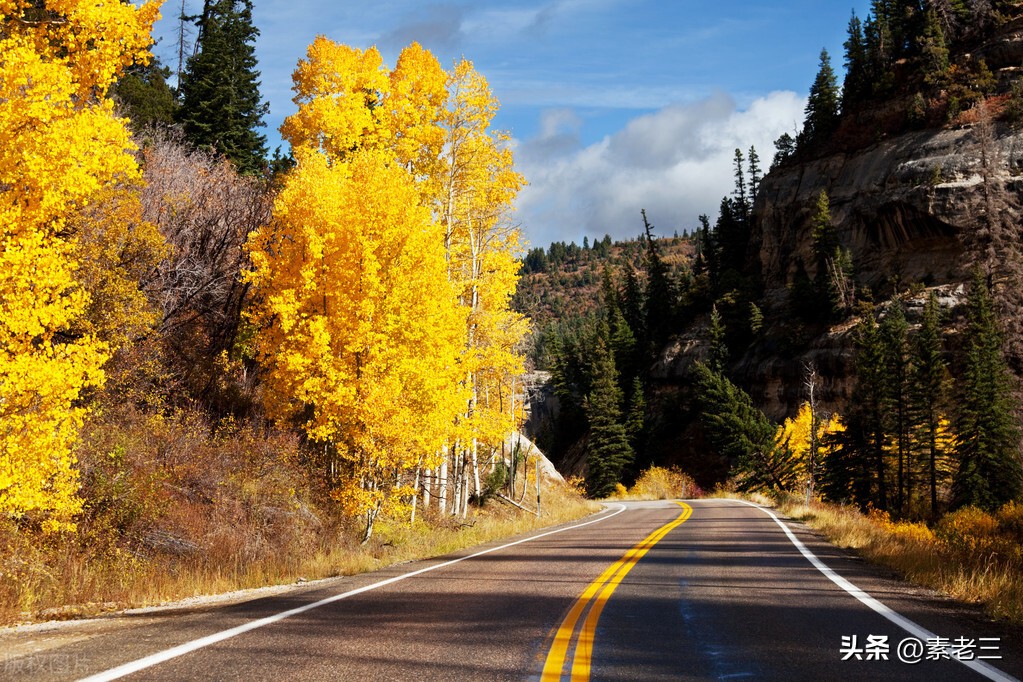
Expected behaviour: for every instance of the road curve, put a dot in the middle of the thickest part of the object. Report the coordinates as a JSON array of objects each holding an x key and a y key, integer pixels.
[{"x": 717, "y": 592}]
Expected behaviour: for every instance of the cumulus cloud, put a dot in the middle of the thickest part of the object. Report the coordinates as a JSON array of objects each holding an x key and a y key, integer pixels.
[
  {"x": 558, "y": 138},
  {"x": 676, "y": 163}
]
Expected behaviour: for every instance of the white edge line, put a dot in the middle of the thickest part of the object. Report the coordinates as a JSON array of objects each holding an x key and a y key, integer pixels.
[
  {"x": 921, "y": 633},
  {"x": 188, "y": 647}
]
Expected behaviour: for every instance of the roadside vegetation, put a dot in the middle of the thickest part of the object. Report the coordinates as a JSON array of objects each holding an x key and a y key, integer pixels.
[
  {"x": 970, "y": 554},
  {"x": 172, "y": 513},
  {"x": 220, "y": 370},
  {"x": 660, "y": 483}
]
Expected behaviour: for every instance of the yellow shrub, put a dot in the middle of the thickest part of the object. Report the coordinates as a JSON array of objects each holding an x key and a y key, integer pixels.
[
  {"x": 918, "y": 532},
  {"x": 577, "y": 484},
  {"x": 879, "y": 517},
  {"x": 1010, "y": 521},
  {"x": 969, "y": 530},
  {"x": 904, "y": 530},
  {"x": 659, "y": 483}
]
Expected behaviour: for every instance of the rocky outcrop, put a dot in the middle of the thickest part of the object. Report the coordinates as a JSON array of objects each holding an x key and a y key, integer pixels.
[
  {"x": 904, "y": 207},
  {"x": 1003, "y": 53},
  {"x": 540, "y": 404},
  {"x": 900, "y": 206}
]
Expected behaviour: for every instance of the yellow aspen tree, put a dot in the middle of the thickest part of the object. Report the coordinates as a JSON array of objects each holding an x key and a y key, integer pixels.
[
  {"x": 338, "y": 91},
  {"x": 795, "y": 435},
  {"x": 475, "y": 198},
  {"x": 61, "y": 146},
  {"x": 360, "y": 331},
  {"x": 414, "y": 111}
]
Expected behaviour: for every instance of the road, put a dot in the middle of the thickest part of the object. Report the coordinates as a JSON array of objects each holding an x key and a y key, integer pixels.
[{"x": 702, "y": 590}]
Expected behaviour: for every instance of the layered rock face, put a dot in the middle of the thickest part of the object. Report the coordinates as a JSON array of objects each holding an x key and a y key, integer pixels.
[
  {"x": 901, "y": 207},
  {"x": 904, "y": 208},
  {"x": 903, "y": 204}
]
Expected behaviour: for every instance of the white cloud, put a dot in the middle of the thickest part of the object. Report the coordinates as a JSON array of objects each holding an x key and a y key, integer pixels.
[{"x": 676, "y": 163}]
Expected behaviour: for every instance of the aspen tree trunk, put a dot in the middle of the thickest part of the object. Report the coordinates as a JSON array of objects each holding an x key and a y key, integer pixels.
[
  {"x": 456, "y": 498},
  {"x": 415, "y": 494},
  {"x": 427, "y": 488},
  {"x": 810, "y": 382},
  {"x": 463, "y": 481},
  {"x": 371, "y": 514},
  {"x": 370, "y": 518},
  {"x": 465, "y": 490},
  {"x": 512, "y": 440},
  {"x": 475, "y": 470},
  {"x": 442, "y": 497}
]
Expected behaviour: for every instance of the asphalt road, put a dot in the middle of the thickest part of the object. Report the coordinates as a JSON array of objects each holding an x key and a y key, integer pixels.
[{"x": 704, "y": 590}]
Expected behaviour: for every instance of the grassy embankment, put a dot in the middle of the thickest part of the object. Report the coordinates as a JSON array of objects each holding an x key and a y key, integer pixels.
[{"x": 176, "y": 507}]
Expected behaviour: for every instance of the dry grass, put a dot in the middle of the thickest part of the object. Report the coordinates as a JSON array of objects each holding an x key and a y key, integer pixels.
[
  {"x": 60, "y": 579},
  {"x": 436, "y": 536},
  {"x": 969, "y": 555},
  {"x": 176, "y": 508}
]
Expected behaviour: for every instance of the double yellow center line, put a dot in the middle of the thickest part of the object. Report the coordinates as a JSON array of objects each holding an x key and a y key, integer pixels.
[{"x": 592, "y": 603}]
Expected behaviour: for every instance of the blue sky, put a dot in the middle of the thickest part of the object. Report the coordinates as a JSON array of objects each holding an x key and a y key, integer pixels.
[{"x": 613, "y": 105}]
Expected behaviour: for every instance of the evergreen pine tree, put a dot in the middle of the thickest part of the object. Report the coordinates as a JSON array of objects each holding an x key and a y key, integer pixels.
[
  {"x": 755, "y": 175},
  {"x": 878, "y": 39},
  {"x": 756, "y": 319},
  {"x": 634, "y": 306},
  {"x": 995, "y": 243},
  {"x": 895, "y": 17},
  {"x": 718, "y": 356},
  {"x": 731, "y": 237},
  {"x": 864, "y": 467},
  {"x": 620, "y": 337},
  {"x": 784, "y": 149},
  {"x": 660, "y": 294},
  {"x": 609, "y": 292},
  {"x": 741, "y": 433},
  {"x": 707, "y": 251},
  {"x": 741, "y": 203},
  {"x": 608, "y": 450},
  {"x": 989, "y": 471},
  {"x": 930, "y": 390},
  {"x": 535, "y": 261},
  {"x": 934, "y": 52},
  {"x": 219, "y": 90},
  {"x": 953, "y": 14},
  {"x": 856, "y": 86},
  {"x": 143, "y": 96},
  {"x": 825, "y": 243},
  {"x": 845, "y": 472},
  {"x": 821, "y": 105},
  {"x": 894, "y": 332},
  {"x": 635, "y": 420},
  {"x": 912, "y": 18}
]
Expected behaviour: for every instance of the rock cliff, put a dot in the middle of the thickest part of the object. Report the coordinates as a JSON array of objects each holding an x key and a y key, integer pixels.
[{"x": 900, "y": 206}]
